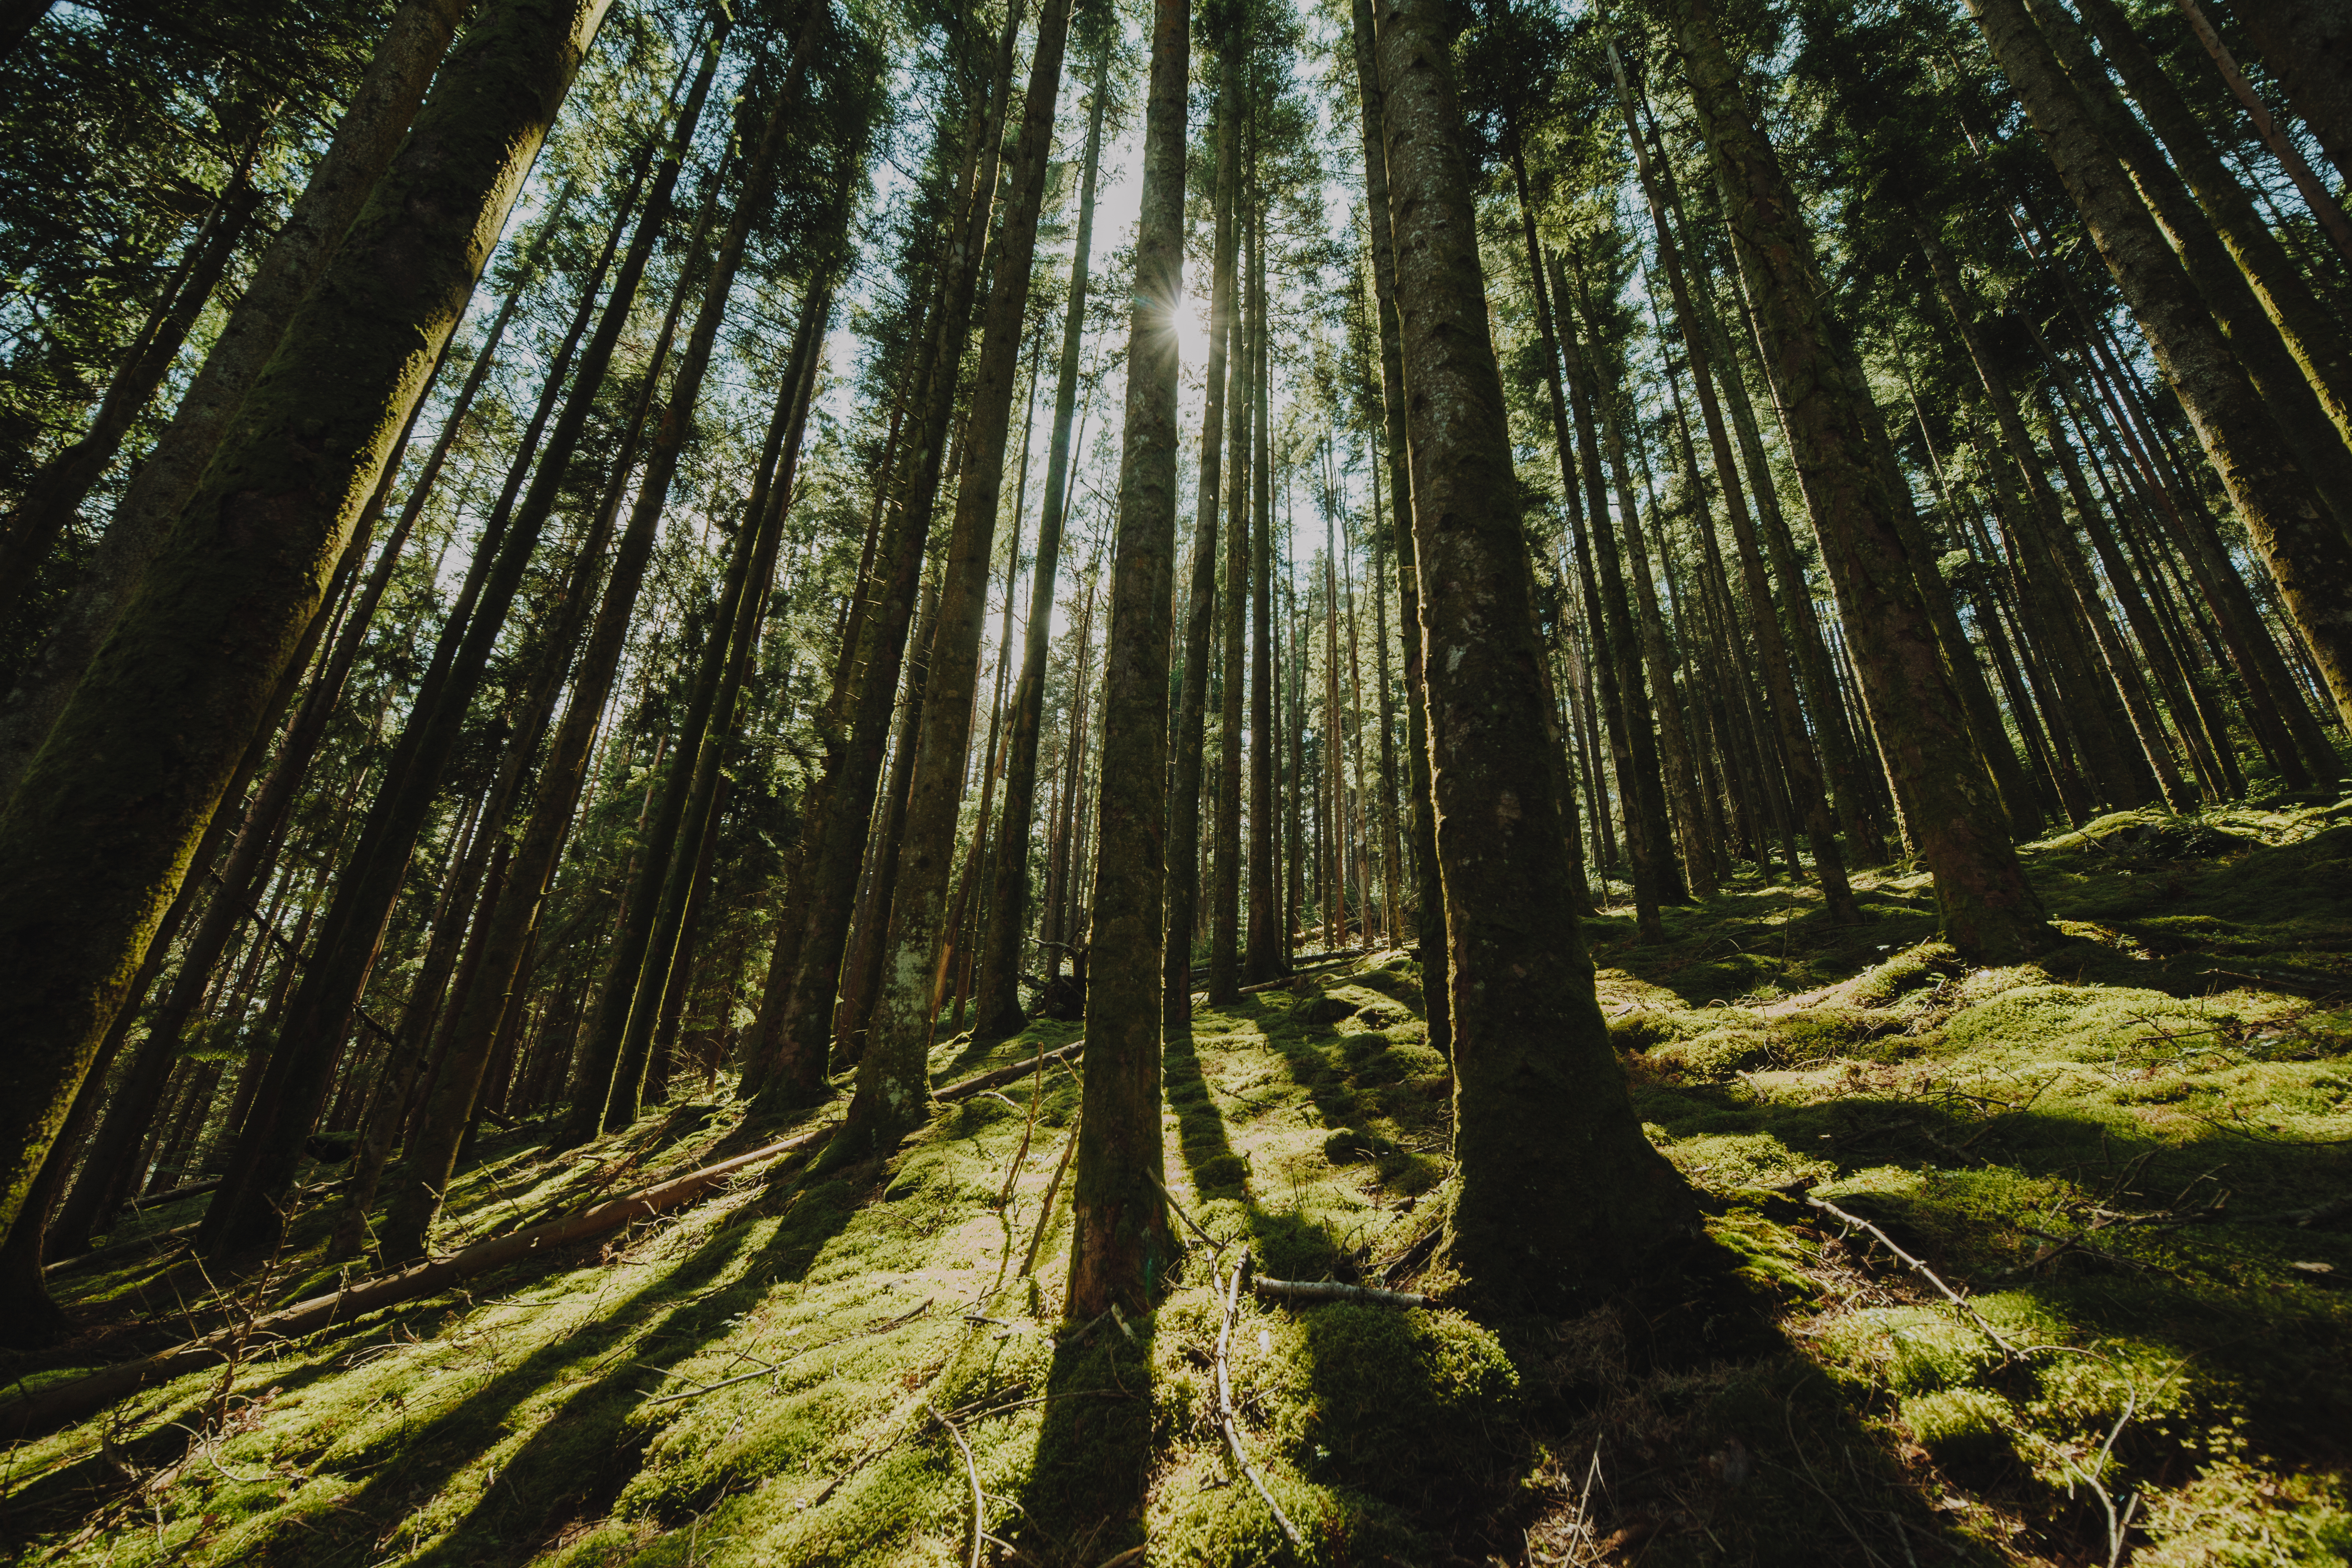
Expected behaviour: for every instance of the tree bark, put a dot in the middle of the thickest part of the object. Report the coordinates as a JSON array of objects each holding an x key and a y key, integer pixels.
[
  {"x": 1560, "y": 1192},
  {"x": 1121, "y": 1246}
]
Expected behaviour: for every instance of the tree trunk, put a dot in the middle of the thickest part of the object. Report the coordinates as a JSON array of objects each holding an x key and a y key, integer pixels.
[
  {"x": 997, "y": 1011},
  {"x": 371, "y": 129},
  {"x": 1266, "y": 952},
  {"x": 2307, "y": 551},
  {"x": 893, "y": 1091},
  {"x": 1949, "y": 805},
  {"x": 1200, "y": 604},
  {"x": 1233, "y": 606},
  {"x": 1430, "y": 910},
  {"x": 126, "y": 781},
  {"x": 1121, "y": 1246},
  {"x": 1633, "y": 741},
  {"x": 1560, "y": 1192}
]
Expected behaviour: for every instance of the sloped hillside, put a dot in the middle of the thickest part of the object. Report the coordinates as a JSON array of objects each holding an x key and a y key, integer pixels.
[{"x": 2044, "y": 1264}]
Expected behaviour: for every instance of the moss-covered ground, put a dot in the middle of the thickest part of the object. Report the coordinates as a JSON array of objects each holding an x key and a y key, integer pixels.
[{"x": 2130, "y": 1158}]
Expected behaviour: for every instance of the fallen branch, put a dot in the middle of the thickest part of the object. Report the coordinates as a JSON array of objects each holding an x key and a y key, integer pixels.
[
  {"x": 1046, "y": 1211},
  {"x": 967, "y": 1088},
  {"x": 1190, "y": 1224},
  {"x": 972, "y": 1473},
  {"x": 1919, "y": 1269},
  {"x": 48, "y": 1409},
  {"x": 156, "y": 1242},
  {"x": 1226, "y": 1408},
  {"x": 1332, "y": 1290}
]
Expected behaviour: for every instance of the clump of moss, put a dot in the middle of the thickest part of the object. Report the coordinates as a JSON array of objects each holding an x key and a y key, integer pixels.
[
  {"x": 1913, "y": 969},
  {"x": 1398, "y": 1404},
  {"x": 1965, "y": 1429},
  {"x": 2236, "y": 1516},
  {"x": 1914, "y": 1350},
  {"x": 1725, "y": 1161}
]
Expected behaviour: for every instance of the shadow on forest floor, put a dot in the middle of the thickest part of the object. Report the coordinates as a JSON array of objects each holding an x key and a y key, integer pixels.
[{"x": 2131, "y": 1158}]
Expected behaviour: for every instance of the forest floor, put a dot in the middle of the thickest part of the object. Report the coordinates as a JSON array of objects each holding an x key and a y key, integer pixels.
[{"x": 2131, "y": 1160}]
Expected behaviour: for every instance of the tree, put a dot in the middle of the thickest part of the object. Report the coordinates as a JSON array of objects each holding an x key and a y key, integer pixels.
[
  {"x": 124, "y": 781},
  {"x": 1121, "y": 1246},
  {"x": 1949, "y": 805},
  {"x": 1559, "y": 1194}
]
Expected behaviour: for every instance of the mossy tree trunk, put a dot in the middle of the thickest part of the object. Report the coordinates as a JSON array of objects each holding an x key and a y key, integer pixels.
[
  {"x": 1120, "y": 1246},
  {"x": 1561, "y": 1194},
  {"x": 1429, "y": 926},
  {"x": 95, "y": 840},
  {"x": 1950, "y": 803},
  {"x": 893, "y": 1090},
  {"x": 1200, "y": 606}
]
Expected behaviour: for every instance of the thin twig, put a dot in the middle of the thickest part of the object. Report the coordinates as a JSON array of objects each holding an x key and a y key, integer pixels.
[
  {"x": 972, "y": 1473},
  {"x": 1045, "y": 1214},
  {"x": 1214, "y": 1245},
  {"x": 1226, "y": 1408},
  {"x": 1919, "y": 1269}
]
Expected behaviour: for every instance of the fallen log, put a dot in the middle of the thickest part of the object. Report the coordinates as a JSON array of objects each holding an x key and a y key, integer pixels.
[
  {"x": 47, "y": 1409},
  {"x": 964, "y": 1088},
  {"x": 110, "y": 1253}
]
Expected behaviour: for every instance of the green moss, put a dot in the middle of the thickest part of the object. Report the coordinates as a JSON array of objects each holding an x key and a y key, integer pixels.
[
  {"x": 2235, "y": 1515},
  {"x": 1988, "y": 1120},
  {"x": 1964, "y": 1427},
  {"x": 1394, "y": 1403}
]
